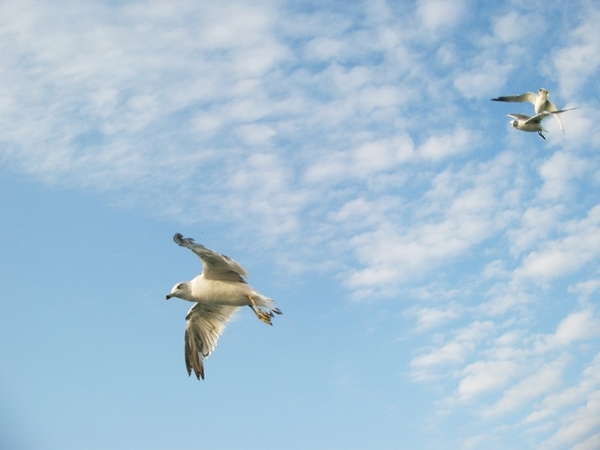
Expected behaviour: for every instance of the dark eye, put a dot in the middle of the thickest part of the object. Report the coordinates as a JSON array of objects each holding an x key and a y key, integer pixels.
[{"x": 180, "y": 286}]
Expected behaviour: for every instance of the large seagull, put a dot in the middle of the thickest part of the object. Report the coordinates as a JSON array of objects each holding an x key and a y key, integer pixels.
[{"x": 218, "y": 292}]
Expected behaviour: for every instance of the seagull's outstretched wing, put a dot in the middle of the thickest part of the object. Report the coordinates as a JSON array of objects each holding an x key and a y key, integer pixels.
[
  {"x": 216, "y": 265},
  {"x": 526, "y": 97},
  {"x": 541, "y": 116},
  {"x": 205, "y": 323},
  {"x": 518, "y": 116}
]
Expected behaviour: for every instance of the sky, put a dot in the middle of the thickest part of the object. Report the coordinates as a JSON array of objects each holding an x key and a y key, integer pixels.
[{"x": 437, "y": 269}]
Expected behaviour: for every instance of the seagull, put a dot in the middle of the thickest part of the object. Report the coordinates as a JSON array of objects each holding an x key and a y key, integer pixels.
[
  {"x": 534, "y": 123},
  {"x": 218, "y": 292},
  {"x": 540, "y": 103}
]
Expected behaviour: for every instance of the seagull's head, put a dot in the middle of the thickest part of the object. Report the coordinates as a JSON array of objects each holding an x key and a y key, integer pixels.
[
  {"x": 514, "y": 123},
  {"x": 543, "y": 91},
  {"x": 181, "y": 290}
]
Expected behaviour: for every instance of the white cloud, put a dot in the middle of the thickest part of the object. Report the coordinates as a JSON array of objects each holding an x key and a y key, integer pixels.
[
  {"x": 367, "y": 160},
  {"x": 436, "y": 148},
  {"x": 537, "y": 224},
  {"x": 591, "y": 443},
  {"x": 580, "y": 58},
  {"x": 581, "y": 429},
  {"x": 515, "y": 27},
  {"x": 268, "y": 195},
  {"x": 323, "y": 48},
  {"x": 437, "y": 14},
  {"x": 577, "y": 326},
  {"x": 573, "y": 395},
  {"x": 558, "y": 173},
  {"x": 545, "y": 379},
  {"x": 484, "y": 80},
  {"x": 454, "y": 215},
  {"x": 585, "y": 288},
  {"x": 256, "y": 134},
  {"x": 454, "y": 352},
  {"x": 428, "y": 318},
  {"x": 562, "y": 256},
  {"x": 483, "y": 376},
  {"x": 495, "y": 269},
  {"x": 580, "y": 125},
  {"x": 363, "y": 213},
  {"x": 524, "y": 373}
]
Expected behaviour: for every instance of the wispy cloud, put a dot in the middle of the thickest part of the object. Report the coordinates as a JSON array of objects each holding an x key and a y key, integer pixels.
[{"x": 580, "y": 59}]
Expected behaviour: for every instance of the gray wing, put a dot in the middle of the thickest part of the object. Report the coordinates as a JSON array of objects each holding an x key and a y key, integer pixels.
[
  {"x": 205, "y": 323},
  {"x": 216, "y": 265},
  {"x": 526, "y": 97},
  {"x": 518, "y": 116}
]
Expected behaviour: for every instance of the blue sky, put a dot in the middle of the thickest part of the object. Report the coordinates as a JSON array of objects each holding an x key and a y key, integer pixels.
[{"x": 437, "y": 269}]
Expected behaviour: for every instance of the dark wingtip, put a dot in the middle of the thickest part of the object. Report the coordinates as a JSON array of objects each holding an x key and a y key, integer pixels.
[{"x": 198, "y": 372}]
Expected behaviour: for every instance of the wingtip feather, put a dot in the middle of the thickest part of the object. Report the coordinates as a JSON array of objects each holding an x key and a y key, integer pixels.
[{"x": 193, "y": 359}]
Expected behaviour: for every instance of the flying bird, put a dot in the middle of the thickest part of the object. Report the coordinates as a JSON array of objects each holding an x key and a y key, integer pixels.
[
  {"x": 533, "y": 123},
  {"x": 540, "y": 103},
  {"x": 218, "y": 292}
]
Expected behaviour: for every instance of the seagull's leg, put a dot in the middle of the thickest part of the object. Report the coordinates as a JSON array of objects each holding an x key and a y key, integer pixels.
[
  {"x": 263, "y": 316},
  {"x": 543, "y": 137}
]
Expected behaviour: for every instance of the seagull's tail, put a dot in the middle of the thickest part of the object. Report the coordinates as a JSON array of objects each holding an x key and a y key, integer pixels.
[{"x": 267, "y": 303}]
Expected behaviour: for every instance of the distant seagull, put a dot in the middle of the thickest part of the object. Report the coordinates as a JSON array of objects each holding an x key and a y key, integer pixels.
[
  {"x": 534, "y": 123},
  {"x": 540, "y": 103},
  {"x": 219, "y": 291}
]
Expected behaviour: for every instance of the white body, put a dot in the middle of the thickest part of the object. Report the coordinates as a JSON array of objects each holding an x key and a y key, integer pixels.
[
  {"x": 526, "y": 125},
  {"x": 218, "y": 292},
  {"x": 541, "y": 102}
]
